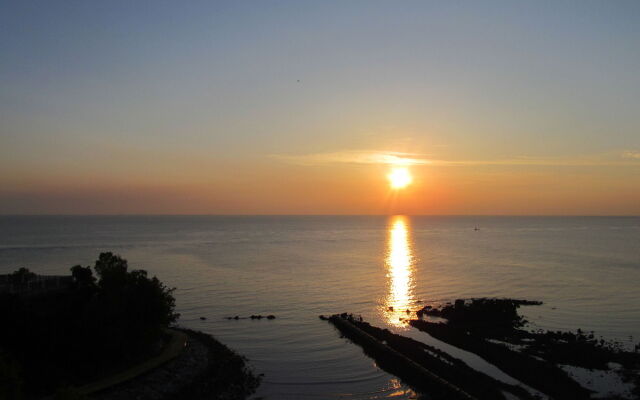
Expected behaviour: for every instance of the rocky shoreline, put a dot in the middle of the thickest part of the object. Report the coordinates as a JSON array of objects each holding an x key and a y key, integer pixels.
[
  {"x": 205, "y": 369},
  {"x": 493, "y": 330},
  {"x": 446, "y": 377}
]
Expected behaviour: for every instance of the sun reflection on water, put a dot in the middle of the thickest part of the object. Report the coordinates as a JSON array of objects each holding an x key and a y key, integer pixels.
[{"x": 400, "y": 268}]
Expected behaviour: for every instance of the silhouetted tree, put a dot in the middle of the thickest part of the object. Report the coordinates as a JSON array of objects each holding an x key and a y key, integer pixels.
[
  {"x": 131, "y": 309},
  {"x": 22, "y": 275},
  {"x": 112, "y": 270},
  {"x": 82, "y": 276},
  {"x": 65, "y": 337}
]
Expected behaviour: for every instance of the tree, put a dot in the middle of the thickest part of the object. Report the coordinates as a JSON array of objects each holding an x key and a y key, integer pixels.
[
  {"x": 22, "y": 275},
  {"x": 84, "y": 331},
  {"x": 130, "y": 310},
  {"x": 82, "y": 276},
  {"x": 112, "y": 270}
]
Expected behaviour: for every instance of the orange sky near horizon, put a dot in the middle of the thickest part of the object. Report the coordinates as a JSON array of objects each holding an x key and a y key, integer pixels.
[{"x": 279, "y": 188}]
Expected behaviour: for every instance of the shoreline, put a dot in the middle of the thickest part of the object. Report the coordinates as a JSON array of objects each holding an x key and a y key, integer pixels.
[
  {"x": 172, "y": 350},
  {"x": 544, "y": 364},
  {"x": 204, "y": 367}
]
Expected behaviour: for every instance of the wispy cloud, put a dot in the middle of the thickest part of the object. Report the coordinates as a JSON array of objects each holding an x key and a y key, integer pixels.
[
  {"x": 400, "y": 158},
  {"x": 634, "y": 155},
  {"x": 356, "y": 157}
]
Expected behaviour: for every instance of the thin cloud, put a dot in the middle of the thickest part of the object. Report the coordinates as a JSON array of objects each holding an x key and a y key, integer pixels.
[
  {"x": 356, "y": 157},
  {"x": 634, "y": 155},
  {"x": 629, "y": 158}
]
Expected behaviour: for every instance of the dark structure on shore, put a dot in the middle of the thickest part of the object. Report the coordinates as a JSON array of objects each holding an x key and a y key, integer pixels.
[{"x": 25, "y": 284}]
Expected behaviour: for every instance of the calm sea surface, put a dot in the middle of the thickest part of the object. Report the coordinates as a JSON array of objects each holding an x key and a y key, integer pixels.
[{"x": 585, "y": 269}]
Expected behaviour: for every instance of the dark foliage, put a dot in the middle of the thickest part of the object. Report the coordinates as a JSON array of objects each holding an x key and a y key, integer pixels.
[
  {"x": 22, "y": 275},
  {"x": 71, "y": 336},
  {"x": 82, "y": 276}
]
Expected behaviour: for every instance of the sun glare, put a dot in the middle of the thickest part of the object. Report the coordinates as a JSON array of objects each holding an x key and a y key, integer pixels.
[
  {"x": 399, "y": 178},
  {"x": 400, "y": 270}
]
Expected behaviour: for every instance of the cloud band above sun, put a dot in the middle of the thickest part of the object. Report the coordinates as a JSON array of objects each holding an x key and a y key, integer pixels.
[
  {"x": 356, "y": 157},
  {"x": 625, "y": 158}
]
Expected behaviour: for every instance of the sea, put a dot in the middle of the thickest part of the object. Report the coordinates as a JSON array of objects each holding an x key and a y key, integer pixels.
[{"x": 586, "y": 270}]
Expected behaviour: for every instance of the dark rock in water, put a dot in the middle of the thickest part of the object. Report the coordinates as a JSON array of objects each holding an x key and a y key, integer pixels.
[
  {"x": 253, "y": 316},
  {"x": 480, "y": 325},
  {"x": 203, "y": 318},
  {"x": 408, "y": 311},
  {"x": 322, "y": 317},
  {"x": 390, "y": 308},
  {"x": 424, "y": 367},
  {"x": 483, "y": 313}
]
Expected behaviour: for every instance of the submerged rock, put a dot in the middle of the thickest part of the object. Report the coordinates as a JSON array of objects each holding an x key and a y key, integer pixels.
[{"x": 253, "y": 316}]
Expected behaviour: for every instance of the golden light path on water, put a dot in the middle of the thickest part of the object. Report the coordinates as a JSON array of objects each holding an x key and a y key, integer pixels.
[{"x": 399, "y": 263}]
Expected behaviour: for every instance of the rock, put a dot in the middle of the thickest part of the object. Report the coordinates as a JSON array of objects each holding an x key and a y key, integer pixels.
[
  {"x": 271, "y": 317},
  {"x": 203, "y": 318}
]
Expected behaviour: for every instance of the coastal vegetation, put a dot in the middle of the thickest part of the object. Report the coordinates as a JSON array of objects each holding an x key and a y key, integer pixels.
[{"x": 100, "y": 321}]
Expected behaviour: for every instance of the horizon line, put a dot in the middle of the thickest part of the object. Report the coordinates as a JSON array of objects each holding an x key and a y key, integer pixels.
[{"x": 312, "y": 215}]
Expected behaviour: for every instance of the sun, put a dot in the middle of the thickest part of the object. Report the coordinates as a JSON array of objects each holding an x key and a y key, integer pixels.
[{"x": 399, "y": 178}]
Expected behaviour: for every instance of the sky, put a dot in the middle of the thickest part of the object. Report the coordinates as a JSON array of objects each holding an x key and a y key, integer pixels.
[{"x": 297, "y": 107}]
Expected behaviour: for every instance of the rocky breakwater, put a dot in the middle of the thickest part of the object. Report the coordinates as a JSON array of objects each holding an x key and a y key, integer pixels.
[
  {"x": 492, "y": 329},
  {"x": 428, "y": 370}
]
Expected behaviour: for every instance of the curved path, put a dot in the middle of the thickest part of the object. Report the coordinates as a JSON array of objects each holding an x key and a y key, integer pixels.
[{"x": 173, "y": 349}]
